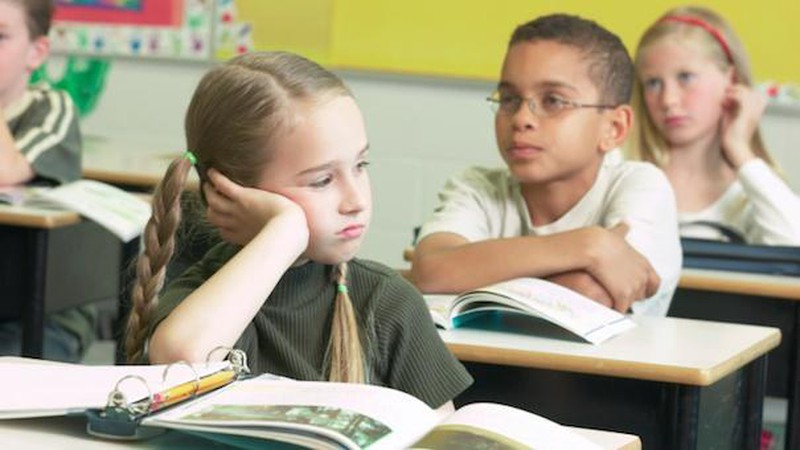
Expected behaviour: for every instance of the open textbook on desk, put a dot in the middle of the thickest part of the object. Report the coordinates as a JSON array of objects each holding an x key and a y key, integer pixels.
[
  {"x": 120, "y": 212},
  {"x": 250, "y": 412},
  {"x": 530, "y": 298}
]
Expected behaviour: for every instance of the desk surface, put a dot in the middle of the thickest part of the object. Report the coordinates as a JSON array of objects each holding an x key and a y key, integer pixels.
[
  {"x": 122, "y": 164},
  {"x": 24, "y": 216},
  {"x": 665, "y": 349},
  {"x": 70, "y": 433},
  {"x": 776, "y": 286}
]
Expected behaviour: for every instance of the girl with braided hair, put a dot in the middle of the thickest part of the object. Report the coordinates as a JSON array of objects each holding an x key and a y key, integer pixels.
[{"x": 281, "y": 150}]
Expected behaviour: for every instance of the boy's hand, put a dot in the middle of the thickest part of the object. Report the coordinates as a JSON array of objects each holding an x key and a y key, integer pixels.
[
  {"x": 624, "y": 273},
  {"x": 241, "y": 212},
  {"x": 742, "y": 108},
  {"x": 584, "y": 284}
]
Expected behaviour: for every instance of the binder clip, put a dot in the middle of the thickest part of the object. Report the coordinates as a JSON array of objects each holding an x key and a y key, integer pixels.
[{"x": 120, "y": 419}]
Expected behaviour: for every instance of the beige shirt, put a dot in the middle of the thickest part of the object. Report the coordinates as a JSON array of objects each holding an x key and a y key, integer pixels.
[{"x": 484, "y": 203}]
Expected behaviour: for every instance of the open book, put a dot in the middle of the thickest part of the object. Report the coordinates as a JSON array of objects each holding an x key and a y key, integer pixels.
[
  {"x": 120, "y": 212},
  {"x": 355, "y": 416},
  {"x": 252, "y": 411},
  {"x": 529, "y": 298}
]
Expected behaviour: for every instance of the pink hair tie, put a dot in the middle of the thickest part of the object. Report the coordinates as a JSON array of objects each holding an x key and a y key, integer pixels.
[{"x": 696, "y": 21}]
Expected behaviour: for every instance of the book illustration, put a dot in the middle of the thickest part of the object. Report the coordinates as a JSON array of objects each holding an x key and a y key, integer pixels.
[
  {"x": 360, "y": 429},
  {"x": 456, "y": 437}
]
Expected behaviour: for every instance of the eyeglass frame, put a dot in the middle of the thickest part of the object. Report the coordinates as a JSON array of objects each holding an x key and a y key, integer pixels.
[{"x": 534, "y": 107}]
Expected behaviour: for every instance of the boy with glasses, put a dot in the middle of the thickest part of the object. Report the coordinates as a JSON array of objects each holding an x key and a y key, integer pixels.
[{"x": 566, "y": 207}]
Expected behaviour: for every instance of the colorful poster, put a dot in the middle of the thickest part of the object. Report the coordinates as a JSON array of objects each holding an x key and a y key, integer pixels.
[
  {"x": 158, "y": 28},
  {"x": 121, "y": 12}
]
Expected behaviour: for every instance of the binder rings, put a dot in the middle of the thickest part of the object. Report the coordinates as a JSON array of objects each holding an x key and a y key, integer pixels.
[
  {"x": 121, "y": 418},
  {"x": 38, "y": 388}
]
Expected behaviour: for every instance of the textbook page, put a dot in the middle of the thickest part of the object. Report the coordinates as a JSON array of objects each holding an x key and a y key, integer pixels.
[
  {"x": 491, "y": 425},
  {"x": 120, "y": 212},
  {"x": 561, "y": 306},
  {"x": 320, "y": 414},
  {"x": 37, "y": 388},
  {"x": 439, "y": 306}
]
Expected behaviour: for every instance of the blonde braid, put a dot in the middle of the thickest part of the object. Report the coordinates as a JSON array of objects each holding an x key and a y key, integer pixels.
[
  {"x": 151, "y": 266},
  {"x": 345, "y": 349}
]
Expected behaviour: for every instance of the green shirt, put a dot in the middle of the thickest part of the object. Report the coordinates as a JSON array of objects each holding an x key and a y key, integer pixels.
[{"x": 289, "y": 334}]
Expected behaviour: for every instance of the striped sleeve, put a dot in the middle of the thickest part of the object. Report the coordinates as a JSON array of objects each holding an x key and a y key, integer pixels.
[{"x": 49, "y": 136}]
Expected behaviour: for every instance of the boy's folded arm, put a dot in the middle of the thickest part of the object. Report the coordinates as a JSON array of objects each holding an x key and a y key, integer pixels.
[
  {"x": 583, "y": 283},
  {"x": 449, "y": 263}
]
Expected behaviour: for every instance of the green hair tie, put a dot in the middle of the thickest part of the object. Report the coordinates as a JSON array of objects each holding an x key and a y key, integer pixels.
[
  {"x": 190, "y": 156},
  {"x": 341, "y": 288}
]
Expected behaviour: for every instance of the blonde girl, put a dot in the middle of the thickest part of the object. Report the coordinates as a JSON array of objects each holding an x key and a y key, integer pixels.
[
  {"x": 697, "y": 116},
  {"x": 281, "y": 148}
]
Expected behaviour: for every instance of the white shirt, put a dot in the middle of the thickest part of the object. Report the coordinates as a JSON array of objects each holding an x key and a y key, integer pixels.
[
  {"x": 484, "y": 203},
  {"x": 759, "y": 206}
]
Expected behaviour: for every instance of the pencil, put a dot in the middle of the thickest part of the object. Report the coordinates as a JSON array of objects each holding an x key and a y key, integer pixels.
[{"x": 189, "y": 389}]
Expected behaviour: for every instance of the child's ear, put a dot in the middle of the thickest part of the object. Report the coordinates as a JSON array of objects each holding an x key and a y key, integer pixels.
[
  {"x": 617, "y": 125},
  {"x": 732, "y": 75},
  {"x": 38, "y": 52}
]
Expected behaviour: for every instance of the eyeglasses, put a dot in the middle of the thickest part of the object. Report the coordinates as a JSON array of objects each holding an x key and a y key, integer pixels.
[{"x": 545, "y": 106}]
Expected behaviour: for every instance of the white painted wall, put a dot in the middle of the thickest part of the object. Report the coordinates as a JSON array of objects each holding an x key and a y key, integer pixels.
[{"x": 421, "y": 131}]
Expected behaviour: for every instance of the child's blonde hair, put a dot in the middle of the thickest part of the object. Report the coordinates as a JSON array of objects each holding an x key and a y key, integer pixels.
[
  {"x": 235, "y": 111},
  {"x": 716, "y": 38}
]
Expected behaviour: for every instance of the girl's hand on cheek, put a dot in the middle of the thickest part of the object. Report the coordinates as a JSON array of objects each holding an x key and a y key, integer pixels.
[
  {"x": 240, "y": 213},
  {"x": 741, "y": 112}
]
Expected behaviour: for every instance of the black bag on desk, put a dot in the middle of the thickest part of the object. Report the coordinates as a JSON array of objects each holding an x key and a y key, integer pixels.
[{"x": 739, "y": 257}]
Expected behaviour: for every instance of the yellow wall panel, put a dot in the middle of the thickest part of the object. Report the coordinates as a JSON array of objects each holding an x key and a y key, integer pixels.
[{"x": 466, "y": 38}]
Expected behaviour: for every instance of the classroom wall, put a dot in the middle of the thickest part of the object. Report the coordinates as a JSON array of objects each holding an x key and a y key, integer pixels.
[
  {"x": 421, "y": 131},
  {"x": 466, "y": 39}
]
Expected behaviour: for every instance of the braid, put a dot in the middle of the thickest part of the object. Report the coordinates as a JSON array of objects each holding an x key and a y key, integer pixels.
[
  {"x": 345, "y": 349},
  {"x": 151, "y": 266}
]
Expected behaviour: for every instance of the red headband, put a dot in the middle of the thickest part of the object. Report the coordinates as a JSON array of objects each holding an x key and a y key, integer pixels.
[{"x": 696, "y": 21}]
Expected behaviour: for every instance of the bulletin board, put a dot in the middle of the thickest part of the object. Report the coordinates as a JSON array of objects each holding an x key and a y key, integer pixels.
[{"x": 140, "y": 28}]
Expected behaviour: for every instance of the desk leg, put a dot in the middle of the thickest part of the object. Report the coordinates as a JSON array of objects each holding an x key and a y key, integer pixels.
[
  {"x": 687, "y": 417},
  {"x": 756, "y": 381},
  {"x": 793, "y": 390},
  {"x": 33, "y": 308}
]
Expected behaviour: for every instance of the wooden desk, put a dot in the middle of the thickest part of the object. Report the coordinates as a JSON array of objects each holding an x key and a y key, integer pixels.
[
  {"x": 70, "y": 433},
  {"x": 677, "y": 383},
  {"x": 759, "y": 300},
  {"x": 774, "y": 286},
  {"x": 137, "y": 169},
  {"x": 53, "y": 260}
]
